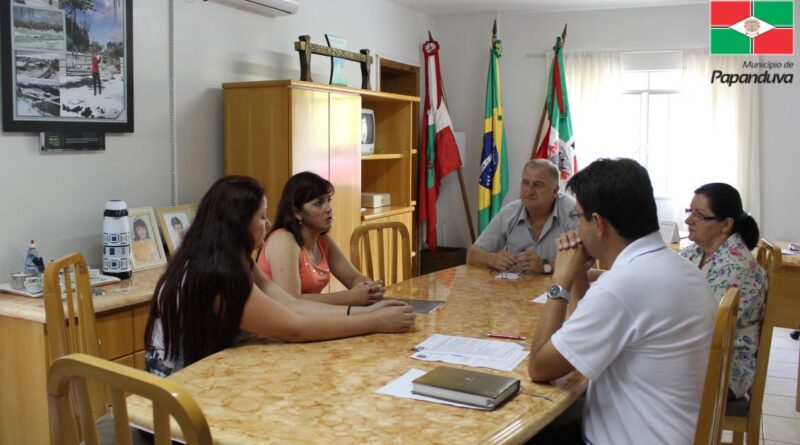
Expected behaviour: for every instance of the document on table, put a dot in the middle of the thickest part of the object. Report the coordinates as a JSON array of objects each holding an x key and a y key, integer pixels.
[
  {"x": 401, "y": 387},
  {"x": 479, "y": 353},
  {"x": 541, "y": 299}
]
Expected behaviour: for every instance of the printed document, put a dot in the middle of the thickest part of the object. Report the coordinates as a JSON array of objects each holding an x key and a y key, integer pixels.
[{"x": 479, "y": 353}]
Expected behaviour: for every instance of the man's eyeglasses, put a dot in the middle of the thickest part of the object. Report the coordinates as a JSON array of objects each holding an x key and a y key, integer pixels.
[
  {"x": 697, "y": 216},
  {"x": 574, "y": 214}
]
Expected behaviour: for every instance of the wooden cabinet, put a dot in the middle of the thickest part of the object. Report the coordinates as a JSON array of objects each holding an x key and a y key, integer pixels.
[
  {"x": 274, "y": 129},
  {"x": 402, "y": 78},
  {"x": 24, "y": 363}
]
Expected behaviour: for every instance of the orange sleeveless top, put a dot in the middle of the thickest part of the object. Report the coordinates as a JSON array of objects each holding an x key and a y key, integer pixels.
[{"x": 313, "y": 277}]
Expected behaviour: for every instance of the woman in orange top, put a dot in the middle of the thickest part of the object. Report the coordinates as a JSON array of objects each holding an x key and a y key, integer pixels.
[{"x": 300, "y": 256}]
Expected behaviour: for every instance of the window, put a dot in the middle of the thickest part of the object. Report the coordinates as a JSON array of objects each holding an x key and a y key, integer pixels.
[
  {"x": 648, "y": 102},
  {"x": 660, "y": 109}
]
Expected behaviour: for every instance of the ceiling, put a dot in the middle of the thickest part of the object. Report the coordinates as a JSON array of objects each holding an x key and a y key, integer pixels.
[{"x": 455, "y": 7}]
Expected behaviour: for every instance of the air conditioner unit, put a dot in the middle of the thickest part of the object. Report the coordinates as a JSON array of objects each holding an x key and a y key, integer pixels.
[{"x": 271, "y": 8}]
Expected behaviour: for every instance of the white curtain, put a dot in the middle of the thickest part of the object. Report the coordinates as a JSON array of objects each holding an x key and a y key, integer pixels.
[{"x": 712, "y": 132}]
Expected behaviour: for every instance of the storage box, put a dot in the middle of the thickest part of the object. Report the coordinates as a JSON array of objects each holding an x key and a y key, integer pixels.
[{"x": 373, "y": 200}]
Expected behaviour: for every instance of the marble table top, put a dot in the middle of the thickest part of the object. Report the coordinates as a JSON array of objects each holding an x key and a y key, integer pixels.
[
  {"x": 324, "y": 392},
  {"x": 135, "y": 290}
]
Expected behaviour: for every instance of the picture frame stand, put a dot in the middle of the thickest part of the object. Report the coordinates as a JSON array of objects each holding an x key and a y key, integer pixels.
[{"x": 306, "y": 49}]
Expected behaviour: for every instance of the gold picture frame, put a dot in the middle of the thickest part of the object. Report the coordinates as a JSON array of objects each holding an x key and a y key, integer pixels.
[
  {"x": 147, "y": 250},
  {"x": 192, "y": 211},
  {"x": 174, "y": 221}
]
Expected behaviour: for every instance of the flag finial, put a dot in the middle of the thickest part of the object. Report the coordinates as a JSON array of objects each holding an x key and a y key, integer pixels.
[
  {"x": 430, "y": 37},
  {"x": 494, "y": 31}
]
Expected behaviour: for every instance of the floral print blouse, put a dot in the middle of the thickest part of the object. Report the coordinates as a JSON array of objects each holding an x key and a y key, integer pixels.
[{"x": 732, "y": 265}]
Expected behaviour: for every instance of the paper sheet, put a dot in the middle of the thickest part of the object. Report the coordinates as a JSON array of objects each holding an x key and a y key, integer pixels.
[
  {"x": 541, "y": 299},
  {"x": 401, "y": 387},
  {"x": 493, "y": 354}
]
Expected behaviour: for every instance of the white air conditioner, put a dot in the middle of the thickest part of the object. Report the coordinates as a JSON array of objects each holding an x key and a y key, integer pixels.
[{"x": 271, "y": 8}]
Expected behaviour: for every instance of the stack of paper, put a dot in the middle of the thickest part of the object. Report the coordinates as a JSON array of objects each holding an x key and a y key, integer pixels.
[{"x": 493, "y": 354}]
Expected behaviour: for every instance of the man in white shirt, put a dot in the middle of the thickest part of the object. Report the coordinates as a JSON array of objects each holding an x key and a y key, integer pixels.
[
  {"x": 522, "y": 236},
  {"x": 641, "y": 333}
]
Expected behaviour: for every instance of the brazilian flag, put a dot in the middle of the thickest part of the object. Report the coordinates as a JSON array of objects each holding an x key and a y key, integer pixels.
[{"x": 493, "y": 181}]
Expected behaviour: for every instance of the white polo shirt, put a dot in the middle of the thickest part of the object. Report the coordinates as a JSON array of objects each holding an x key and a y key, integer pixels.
[{"x": 641, "y": 335}]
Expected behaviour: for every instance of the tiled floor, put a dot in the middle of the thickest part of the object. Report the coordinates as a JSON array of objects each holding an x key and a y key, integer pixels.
[{"x": 780, "y": 423}]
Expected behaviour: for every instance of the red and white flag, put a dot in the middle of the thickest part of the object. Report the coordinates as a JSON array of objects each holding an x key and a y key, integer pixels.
[{"x": 439, "y": 154}]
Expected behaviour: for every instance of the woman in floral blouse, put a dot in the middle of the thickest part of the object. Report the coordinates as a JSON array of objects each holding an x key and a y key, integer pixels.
[{"x": 723, "y": 235}]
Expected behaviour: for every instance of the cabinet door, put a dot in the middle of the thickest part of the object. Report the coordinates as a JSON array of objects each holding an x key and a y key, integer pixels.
[
  {"x": 345, "y": 165},
  {"x": 309, "y": 149},
  {"x": 115, "y": 334}
]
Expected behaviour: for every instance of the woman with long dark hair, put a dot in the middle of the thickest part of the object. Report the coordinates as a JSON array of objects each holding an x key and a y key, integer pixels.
[
  {"x": 724, "y": 234},
  {"x": 300, "y": 256},
  {"x": 211, "y": 291}
]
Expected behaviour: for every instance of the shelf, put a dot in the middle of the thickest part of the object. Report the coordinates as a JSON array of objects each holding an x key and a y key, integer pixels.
[
  {"x": 382, "y": 156},
  {"x": 382, "y": 212}
]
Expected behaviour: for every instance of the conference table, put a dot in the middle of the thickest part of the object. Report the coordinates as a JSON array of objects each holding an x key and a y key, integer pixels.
[{"x": 325, "y": 392}]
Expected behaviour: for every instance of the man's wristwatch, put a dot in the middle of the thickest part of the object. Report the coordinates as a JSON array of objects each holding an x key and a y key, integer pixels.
[
  {"x": 558, "y": 292},
  {"x": 546, "y": 266}
]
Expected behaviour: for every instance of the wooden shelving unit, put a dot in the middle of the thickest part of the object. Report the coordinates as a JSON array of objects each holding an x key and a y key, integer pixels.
[
  {"x": 274, "y": 129},
  {"x": 402, "y": 78}
]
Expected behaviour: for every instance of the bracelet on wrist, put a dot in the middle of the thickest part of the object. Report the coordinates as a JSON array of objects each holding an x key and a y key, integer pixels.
[{"x": 348, "y": 309}]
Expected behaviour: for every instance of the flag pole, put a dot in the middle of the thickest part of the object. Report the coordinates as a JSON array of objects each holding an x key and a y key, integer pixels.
[
  {"x": 461, "y": 182},
  {"x": 544, "y": 106}
]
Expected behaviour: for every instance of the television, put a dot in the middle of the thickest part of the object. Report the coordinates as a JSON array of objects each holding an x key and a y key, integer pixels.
[{"x": 367, "y": 132}]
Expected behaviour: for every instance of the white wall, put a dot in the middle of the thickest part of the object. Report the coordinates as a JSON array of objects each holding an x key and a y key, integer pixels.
[
  {"x": 464, "y": 62},
  {"x": 58, "y": 199}
]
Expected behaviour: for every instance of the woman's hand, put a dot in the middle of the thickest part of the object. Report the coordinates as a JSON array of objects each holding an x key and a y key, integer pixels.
[
  {"x": 366, "y": 292},
  {"x": 394, "y": 318},
  {"x": 376, "y": 290},
  {"x": 377, "y": 306}
]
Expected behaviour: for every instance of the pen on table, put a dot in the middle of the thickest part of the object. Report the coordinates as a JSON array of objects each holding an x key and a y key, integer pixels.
[{"x": 506, "y": 336}]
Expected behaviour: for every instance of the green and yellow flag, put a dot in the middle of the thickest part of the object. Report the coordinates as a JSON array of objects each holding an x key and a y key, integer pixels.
[{"x": 493, "y": 182}]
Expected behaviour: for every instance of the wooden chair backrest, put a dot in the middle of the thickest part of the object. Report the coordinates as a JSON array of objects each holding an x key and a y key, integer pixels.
[
  {"x": 381, "y": 243},
  {"x": 769, "y": 257},
  {"x": 74, "y": 330},
  {"x": 718, "y": 372},
  {"x": 169, "y": 399},
  {"x": 70, "y": 319}
]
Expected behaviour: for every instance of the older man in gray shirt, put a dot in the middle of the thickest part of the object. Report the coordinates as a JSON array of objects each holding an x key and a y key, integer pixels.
[{"x": 522, "y": 236}]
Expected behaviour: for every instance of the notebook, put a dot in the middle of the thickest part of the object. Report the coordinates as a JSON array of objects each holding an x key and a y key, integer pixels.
[{"x": 478, "y": 389}]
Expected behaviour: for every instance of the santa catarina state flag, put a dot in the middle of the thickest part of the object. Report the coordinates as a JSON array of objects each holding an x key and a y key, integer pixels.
[
  {"x": 439, "y": 156},
  {"x": 752, "y": 27}
]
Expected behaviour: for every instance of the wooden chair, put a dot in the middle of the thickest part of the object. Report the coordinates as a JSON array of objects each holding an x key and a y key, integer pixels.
[
  {"x": 66, "y": 287},
  {"x": 743, "y": 416},
  {"x": 382, "y": 243},
  {"x": 718, "y": 372},
  {"x": 169, "y": 399},
  {"x": 73, "y": 331}
]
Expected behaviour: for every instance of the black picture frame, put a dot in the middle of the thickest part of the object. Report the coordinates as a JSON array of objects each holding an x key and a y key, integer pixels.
[{"x": 50, "y": 84}]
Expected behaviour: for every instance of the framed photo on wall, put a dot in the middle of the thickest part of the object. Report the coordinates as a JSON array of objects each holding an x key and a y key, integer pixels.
[
  {"x": 146, "y": 247},
  {"x": 174, "y": 222},
  {"x": 67, "y": 66}
]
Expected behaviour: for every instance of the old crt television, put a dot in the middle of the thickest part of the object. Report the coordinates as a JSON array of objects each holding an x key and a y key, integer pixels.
[{"x": 367, "y": 131}]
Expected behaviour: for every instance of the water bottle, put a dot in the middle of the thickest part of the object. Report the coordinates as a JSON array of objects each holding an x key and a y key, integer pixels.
[
  {"x": 116, "y": 240},
  {"x": 30, "y": 259}
]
